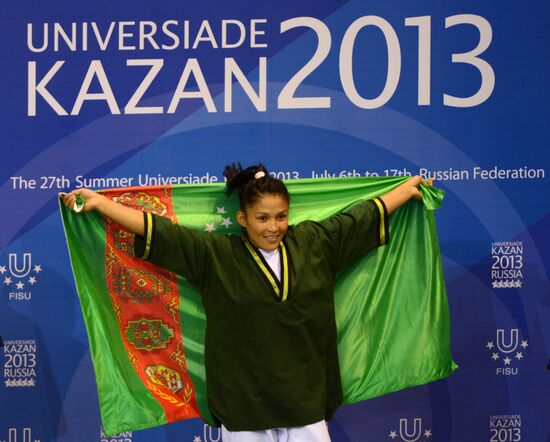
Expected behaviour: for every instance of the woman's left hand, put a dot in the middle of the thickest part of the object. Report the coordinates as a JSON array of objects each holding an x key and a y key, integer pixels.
[
  {"x": 415, "y": 182},
  {"x": 400, "y": 195}
]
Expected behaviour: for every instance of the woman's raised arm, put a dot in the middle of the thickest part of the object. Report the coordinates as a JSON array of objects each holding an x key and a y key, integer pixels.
[{"x": 130, "y": 219}]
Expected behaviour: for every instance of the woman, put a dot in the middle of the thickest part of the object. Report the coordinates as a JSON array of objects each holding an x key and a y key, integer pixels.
[{"x": 268, "y": 297}]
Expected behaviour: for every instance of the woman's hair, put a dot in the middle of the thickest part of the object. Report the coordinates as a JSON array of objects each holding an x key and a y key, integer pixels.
[{"x": 252, "y": 183}]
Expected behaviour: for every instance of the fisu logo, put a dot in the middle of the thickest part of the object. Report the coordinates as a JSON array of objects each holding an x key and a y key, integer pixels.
[
  {"x": 411, "y": 431},
  {"x": 19, "y": 276},
  {"x": 26, "y": 436},
  {"x": 209, "y": 435},
  {"x": 507, "y": 350}
]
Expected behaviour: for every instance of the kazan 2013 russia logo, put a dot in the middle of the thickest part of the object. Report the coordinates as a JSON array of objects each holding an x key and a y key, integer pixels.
[
  {"x": 20, "y": 363},
  {"x": 507, "y": 351},
  {"x": 507, "y": 264},
  {"x": 19, "y": 276},
  {"x": 505, "y": 428},
  {"x": 125, "y": 436}
]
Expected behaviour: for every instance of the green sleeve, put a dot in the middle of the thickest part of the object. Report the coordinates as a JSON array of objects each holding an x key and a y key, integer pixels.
[
  {"x": 348, "y": 235},
  {"x": 172, "y": 247}
]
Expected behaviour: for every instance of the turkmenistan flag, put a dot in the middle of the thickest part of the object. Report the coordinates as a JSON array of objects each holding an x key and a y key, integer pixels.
[{"x": 146, "y": 325}]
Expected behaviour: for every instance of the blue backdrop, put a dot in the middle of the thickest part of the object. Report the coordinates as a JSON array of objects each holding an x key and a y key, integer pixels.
[{"x": 108, "y": 94}]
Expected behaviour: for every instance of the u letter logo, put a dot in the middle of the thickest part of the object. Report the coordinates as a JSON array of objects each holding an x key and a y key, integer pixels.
[
  {"x": 14, "y": 265},
  {"x": 404, "y": 429},
  {"x": 507, "y": 346}
]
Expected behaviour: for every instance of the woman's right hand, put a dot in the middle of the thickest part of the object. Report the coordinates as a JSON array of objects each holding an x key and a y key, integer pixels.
[
  {"x": 91, "y": 199},
  {"x": 130, "y": 219}
]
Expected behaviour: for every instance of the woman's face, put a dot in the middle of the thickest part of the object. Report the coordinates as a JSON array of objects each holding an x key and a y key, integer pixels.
[{"x": 266, "y": 221}]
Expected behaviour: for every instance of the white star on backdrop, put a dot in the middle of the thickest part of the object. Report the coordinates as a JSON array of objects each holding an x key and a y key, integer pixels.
[
  {"x": 220, "y": 210},
  {"x": 507, "y": 360},
  {"x": 37, "y": 268},
  {"x": 20, "y": 285},
  {"x": 7, "y": 280},
  {"x": 2, "y": 270},
  {"x": 524, "y": 344},
  {"x": 393, "y": 434},
  {"x": 495, "y": 356},
  {"x": 197, "y": 439},
  {"x": 428, "y": 433},
  {"x": 490, "y": 345},
  {"x": 32, "y": 280},
  {"x": 519, "y": 355},
  {"x": 209, "y": 227}
]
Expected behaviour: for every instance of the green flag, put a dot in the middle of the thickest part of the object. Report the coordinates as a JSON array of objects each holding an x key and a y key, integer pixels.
[{"x": 146, "y": 325}]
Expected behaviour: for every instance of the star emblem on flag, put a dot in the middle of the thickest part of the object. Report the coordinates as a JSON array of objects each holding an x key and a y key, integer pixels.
[
  {"x": 226, "y": 222},
  {"x": 221, "y": 220}
]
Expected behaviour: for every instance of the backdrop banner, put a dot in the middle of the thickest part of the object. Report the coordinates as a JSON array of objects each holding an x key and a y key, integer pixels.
[{"x": 128, "y": 94}]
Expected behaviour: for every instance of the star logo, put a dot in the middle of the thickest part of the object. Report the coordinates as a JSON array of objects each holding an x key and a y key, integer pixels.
[
  {"x": 220, "y": 210},
  {"x": 393, "y": 434},
  {"x": 37, "y": 268},
  {"x": 507, "y": 360},
  {"x": 495, "y": 284},
  {"x": 2, "y": 270},
  {"x": 490, "y": 345},
  {"x": 20, "y": 285},
  {"x": 495, "y": 356},
  {"x": 519, "y": 355},
  {"x": 209, "y": 227},
  {"x": 7, "y": 280},
  {"x": 524, "y": 344},
  {"x": 428, "y": 433},
  {"x": 32, "y": 280},
  {"x": 226, "y": 222},
  {"x": 197, "y": 439}
]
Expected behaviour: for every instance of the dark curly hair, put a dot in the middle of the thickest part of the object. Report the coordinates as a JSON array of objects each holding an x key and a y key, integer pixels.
[{"x": 250, "y": 188}]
